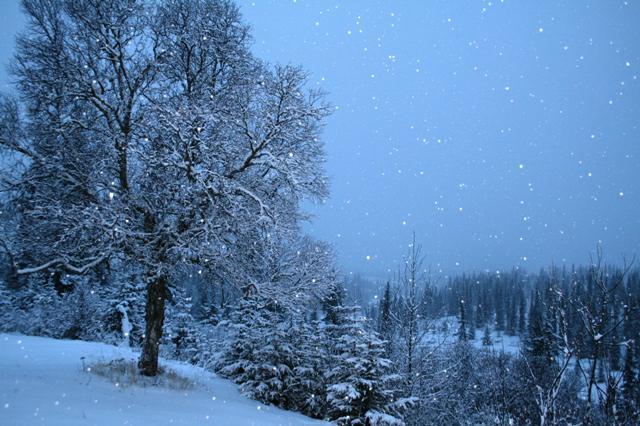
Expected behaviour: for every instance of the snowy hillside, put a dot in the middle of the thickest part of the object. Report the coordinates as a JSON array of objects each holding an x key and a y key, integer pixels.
[{"x": 45, "y": 382}]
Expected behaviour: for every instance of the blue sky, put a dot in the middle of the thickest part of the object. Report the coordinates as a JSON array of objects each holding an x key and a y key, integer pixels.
[{"x": 505, "y": 133}]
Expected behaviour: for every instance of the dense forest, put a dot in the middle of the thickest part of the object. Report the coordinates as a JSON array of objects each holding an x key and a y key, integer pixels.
[{"x": 152, "y": 181}]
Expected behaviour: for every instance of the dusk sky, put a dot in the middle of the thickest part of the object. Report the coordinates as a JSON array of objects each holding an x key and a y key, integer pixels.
[{"x": 504, "y": 133}]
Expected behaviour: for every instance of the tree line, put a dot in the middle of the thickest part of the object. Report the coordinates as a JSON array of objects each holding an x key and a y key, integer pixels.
[{"x": 577, "y": 331}]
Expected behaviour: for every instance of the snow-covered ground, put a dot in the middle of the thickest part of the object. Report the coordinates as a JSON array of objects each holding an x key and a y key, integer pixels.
[
  {"x": 500, "y": 342},
  {"x": 445, "y": 329},
  {"x": 45, "y": 382}
]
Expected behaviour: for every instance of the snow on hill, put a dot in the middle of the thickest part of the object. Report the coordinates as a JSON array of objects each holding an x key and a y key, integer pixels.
[{"x": 45, "y": 382}]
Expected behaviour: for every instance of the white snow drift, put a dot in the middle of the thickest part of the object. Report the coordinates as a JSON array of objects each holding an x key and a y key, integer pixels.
[{"x": 45, "y": 382}]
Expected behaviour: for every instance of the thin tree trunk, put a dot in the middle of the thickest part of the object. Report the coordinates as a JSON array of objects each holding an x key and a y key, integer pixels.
[{"x": 156, "y": 296}]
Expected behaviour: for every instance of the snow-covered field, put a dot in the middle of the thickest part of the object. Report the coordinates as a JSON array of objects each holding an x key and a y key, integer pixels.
[
  {"x": 445, "y": 329},
  {"x": 44, "y": 382}
]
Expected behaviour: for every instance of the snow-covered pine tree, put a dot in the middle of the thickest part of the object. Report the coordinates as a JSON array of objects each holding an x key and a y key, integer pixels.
[
  {"x": 385, "y": 319},
  {"x": 180, "y": 328},
  {"x": 41, "y": 309},
  {"x": 307, "y": 390},
  {"x": 361, "y": 386},
  {"x": 260, "y": 358},
  {"x": 8, "y": 312},
  {"x": 540, "y": 344},
  {"x": 332, "y": 303},
  {"x": 81, "y": 306},
  {"x": 124, "y": 306},
  {"x": 522, "y": 314},
  {"x": 486, "y": 336},
  {"x": 463, "y": 335},
  {"x": 630, "y": 387}
]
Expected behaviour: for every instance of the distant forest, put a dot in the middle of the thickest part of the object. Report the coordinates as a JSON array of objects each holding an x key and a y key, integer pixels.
[{"x": 415, "y": 349}]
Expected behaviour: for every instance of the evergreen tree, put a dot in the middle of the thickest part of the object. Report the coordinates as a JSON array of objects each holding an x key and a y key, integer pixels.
[
  {"x": 539, "y": 344},
  {"x": 362, "y": 390},
  {"x": 385, "y": 320},
  {"x": 181, "y": 328},
  {"x": 486, "y": 337},
  {"x": 522, "y": 319},
  {"x": 511, "y": 318},
  {"x": 630, "y": 386},
  {"x": 500, "y": 307},
  {"x": 8, "y": 314},
  {"x": 124, "y": 316},
  {"x": 471, "y": 329},
  {"x": 308, "y": 388},
  {"x": 260, "y": 358},
  {"x": 462, "y": 327},
  {"x": 332, "y": 303}
]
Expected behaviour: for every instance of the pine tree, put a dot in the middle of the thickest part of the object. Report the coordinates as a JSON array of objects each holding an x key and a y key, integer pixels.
[
  {"x": 261, "y": 357},
  {"x": 385, "y": 321},
  {"x": 630, "y": 387},
  {"x": 471, "y": 329},
  {"x": 332, "y": 303},
  {"x": 361, "y": 390},
  {"x": 124, "y": 313},
  {"x": 307, "y": 390},
  {"x": 522, "y": 320},
  {"x": 500, "y": 307},
  {"x": 180, "y": 328},
  {"x": 540, "y": 350},
  {"x": 486, "y": 337},
  {"x": 8, "y": 313},
  {"x": 511, "y": 318},
  {"x": 462, "y": 328}
]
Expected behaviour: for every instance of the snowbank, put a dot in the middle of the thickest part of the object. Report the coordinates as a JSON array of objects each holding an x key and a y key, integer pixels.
[{"x": 44, "y": 382}]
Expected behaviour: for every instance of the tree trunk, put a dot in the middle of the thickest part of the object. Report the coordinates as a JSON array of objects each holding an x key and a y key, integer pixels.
[{"x": 154, "y": 318}]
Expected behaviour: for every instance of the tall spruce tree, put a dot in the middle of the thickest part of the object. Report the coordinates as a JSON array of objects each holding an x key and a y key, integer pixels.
[
  {"x": 362, "y": 388},
  {"x": 385, "y": 319},
  {"x": 630, "y": 386},
  {"x": 463, "y": 335}
]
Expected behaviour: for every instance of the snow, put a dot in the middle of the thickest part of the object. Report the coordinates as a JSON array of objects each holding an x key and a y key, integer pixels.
[
  {"x": 445, "y": 329},
  {"x": 500, "y": 342},
  {"x": 126, "y": 324},
  {"x": 45, "y": 382}
]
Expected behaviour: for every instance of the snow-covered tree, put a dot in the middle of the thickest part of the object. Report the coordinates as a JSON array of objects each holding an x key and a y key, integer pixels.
[
  {"x": 149, "y": 134},
  {"x": 261, "y": 358},
  {"x": 362, "y": 388},
  {"x": 463, "y": 334},
  {"x": 486, "y": 336},
  {"x": 385, "y": 317},
  {"x": 408, "y": 317},
  {"x": 307, "y": 390},
  {"x": 630, "y": 387}
]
